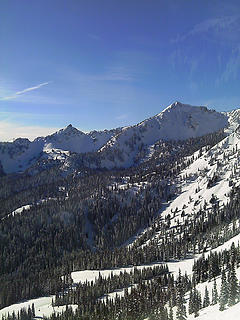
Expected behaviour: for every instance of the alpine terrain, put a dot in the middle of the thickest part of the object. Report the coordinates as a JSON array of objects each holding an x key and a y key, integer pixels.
[{"x": 134, "y": 223}]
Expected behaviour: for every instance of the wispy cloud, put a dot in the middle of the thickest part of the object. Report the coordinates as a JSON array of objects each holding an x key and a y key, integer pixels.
[
  {"x": 16, "y": 94},
  {"x": 179, "y": 58},
  {"x": 32, "y": 88},
  {"x": 216, "y": 25},
  {"x": 112, "y": 74},
  {"x": 232, "y": 69}
]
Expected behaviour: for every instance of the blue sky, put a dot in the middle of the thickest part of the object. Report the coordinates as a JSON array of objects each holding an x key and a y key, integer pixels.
[{"x": 104, "y": 64}]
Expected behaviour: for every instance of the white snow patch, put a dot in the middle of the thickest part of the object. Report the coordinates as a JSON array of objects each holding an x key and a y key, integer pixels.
[{"x": 43, "y": 307}]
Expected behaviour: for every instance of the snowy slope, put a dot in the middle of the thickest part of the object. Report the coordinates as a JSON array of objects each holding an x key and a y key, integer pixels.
[
  {"x": 233, "y": 118},
  {"x": 43, "y": 307},
  {"x": 213, "y": 313},
  {"x": 213, "y": 172},
  {"x": 177, "y": 122}
]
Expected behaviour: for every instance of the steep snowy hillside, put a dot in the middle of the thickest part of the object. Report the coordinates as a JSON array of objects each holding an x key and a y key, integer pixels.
[
  {"x": 177, "y": 122},
  {"x": 233, "y": 118},
  {"x": 205, "y": 184}
]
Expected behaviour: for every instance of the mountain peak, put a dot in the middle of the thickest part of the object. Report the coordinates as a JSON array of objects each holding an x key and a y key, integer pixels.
[
  {"x": 21, "y": 141},
  {"x": 70, "y": 130},
  {"x": 177, "y": 103},
  {"x": 185, "y": 107}
]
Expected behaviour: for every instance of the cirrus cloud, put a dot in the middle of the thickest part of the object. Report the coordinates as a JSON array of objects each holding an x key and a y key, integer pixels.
[
  {"x": 16, "y": 94},
  {"x": 215, "y": 25}
]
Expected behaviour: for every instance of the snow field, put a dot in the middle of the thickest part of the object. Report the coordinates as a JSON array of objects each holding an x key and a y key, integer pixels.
[
  {"x": 43, "y": 307},
  {"x": 213, "y": 313}
]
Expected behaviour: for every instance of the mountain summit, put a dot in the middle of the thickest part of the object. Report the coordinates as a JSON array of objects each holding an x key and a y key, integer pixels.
[
  {"x": 70, "y": 130},
  {"x": 182, "y": 121},
  {"x": 176, "y": 122}
]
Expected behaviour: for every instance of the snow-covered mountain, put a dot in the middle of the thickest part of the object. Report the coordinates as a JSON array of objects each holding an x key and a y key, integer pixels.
[
  {"x": 21, "y": 153},
  {"x": 117, "y": 147},
  {"x": 177, "y": 122}
]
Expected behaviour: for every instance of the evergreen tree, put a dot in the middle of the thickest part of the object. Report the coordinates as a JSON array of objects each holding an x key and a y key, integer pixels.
[
  {"x": 190, "y": 304},
  {"x": 33, "y": 310},
  {"x": 206, "y": 300},
  {"x": 181, "y": 308},
  {"x": 196, "y": 302},
  {"x": 214, "y": 293},
  {"x": 233, "y": 254},
  {"x": 223, "y": 299},
  {"x": 233, "y": 286}
]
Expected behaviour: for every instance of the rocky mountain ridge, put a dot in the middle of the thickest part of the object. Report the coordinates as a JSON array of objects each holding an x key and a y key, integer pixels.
[{"x": 116, "y": 148}]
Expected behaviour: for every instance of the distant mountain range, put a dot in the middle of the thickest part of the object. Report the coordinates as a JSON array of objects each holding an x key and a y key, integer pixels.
[{"x": 117, "y": 147}]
